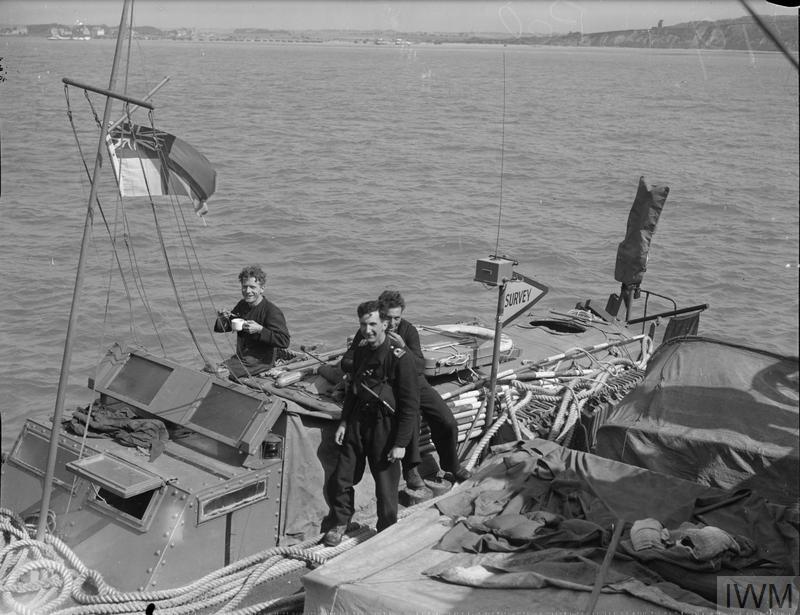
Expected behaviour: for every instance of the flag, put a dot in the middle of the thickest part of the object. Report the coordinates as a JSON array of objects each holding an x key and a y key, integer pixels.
[{"x": 150, "y": 162}]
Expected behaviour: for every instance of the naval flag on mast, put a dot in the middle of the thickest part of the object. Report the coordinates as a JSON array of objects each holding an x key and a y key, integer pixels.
[{"x": 150, "y": 162}]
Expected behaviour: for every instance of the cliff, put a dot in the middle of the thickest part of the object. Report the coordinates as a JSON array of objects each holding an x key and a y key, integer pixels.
[{"x": 742, "y": 33}]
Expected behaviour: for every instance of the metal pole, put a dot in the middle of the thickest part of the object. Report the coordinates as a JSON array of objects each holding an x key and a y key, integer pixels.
[
  {"x": 137, "y": 102},
  {"x": 498, "y": 330},
  {"x": 627, "y": 294},
  {"x": 73, "y": 313}
]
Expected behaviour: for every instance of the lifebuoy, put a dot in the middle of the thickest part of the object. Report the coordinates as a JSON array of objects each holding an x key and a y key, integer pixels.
[{"x": 506, "y": 343}]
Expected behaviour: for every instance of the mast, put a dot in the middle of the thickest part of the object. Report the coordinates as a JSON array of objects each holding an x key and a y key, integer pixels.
[{"x": 73, "y": 313}]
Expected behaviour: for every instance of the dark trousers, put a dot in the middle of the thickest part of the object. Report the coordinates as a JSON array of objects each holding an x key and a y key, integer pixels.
[
  {"x": 368, "y": 438},
  {"x": 444, "y": 430}
]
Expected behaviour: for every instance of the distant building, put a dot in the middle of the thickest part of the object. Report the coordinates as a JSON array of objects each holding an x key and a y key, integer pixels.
[
  {"x": 14, "y": 31},
  {"x": 60, "y": 32}
]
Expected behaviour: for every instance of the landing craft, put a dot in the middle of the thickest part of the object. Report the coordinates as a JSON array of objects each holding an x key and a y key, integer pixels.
[{"x": 203, "y": 492}]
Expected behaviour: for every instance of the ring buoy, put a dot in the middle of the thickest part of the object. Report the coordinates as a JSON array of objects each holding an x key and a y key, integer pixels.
[{"x": 485, "y": 333}]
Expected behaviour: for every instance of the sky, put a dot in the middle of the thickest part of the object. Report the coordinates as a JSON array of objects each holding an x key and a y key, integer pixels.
[{"x": 518, "y": 17}]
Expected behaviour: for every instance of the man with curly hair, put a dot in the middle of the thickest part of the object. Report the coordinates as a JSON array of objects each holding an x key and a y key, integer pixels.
[{"x": 263, "y": 331}]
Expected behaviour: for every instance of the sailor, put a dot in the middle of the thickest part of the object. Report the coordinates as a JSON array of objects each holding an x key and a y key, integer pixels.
[
  {"x": 261, "y": 327},
  {"x": 437, "y": 414},
  {"x": 378, "y": 419}
]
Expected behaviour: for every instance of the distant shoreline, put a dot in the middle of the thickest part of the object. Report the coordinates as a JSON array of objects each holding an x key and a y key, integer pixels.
[
  {"x": 733, "y": 34},
  {"x": 417, "y": 46}
]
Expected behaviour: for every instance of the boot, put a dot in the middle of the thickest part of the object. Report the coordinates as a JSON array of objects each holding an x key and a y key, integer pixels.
[
  {"x": 413, "y": 479},
  {"x": 460, "y": 476},
  {"x": 334, "y": 536}
]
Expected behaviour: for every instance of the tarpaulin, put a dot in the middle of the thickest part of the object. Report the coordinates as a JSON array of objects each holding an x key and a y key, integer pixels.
[
  {"x": 715, "y": 413},
  {"x": 404, "y": 569}
]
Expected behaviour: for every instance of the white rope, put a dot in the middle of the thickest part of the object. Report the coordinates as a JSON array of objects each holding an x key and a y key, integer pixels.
[{"x": 40, "y": 577}]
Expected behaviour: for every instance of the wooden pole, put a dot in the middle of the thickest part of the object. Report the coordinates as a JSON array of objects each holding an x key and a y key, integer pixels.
[{"x": 601, "y": 574}]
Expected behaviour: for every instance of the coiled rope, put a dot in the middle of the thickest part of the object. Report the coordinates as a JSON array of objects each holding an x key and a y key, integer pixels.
[
  {"x": 38, "y": 577},
  {"x": 566, "y": 393}
]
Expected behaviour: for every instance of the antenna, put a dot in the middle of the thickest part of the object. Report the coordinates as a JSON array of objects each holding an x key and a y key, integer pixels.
[
  {"x": 502, "y": 156},
  {"x": 497, "y": 270}
]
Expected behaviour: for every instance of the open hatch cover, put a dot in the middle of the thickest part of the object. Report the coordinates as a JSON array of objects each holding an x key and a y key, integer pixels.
[{"x": 117, "y": 475}]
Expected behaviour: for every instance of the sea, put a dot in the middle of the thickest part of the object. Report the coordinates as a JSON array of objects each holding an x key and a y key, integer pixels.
[{"x": 347, "y": 169}]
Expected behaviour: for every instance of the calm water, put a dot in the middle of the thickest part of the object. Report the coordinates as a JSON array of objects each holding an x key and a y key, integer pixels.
[{"x": 344, "y": 170}]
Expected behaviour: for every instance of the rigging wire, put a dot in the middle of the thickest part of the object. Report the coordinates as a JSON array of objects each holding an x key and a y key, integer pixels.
[
  {"x": 181, "y": 227},
  {"x": 136, "y": 273},
  {"x": 502, "y": 154},
  {"x": 159, "y": 232},
  {"x": 183, "y": 232},
  {"x": 88, "y": 174},
  {"x": 135, "y": 269},
  {"x": 184, "y": 227},
  {"x": 771, "y": 35}
]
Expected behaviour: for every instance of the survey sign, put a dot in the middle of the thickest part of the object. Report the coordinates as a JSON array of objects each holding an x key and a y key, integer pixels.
[{"x": 520, "y": 294}]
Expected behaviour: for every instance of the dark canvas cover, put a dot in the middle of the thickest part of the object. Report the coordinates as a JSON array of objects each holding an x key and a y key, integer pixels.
[
  {"x": 712, "y": 412},
  {"x": 458, "y": 553}
]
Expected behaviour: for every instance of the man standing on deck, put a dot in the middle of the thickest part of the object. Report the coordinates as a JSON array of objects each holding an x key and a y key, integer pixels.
[
  {"x": 437, "y": 414},
  {"x": 263, "y": 331},
  {"x": 378, "y": 419}
]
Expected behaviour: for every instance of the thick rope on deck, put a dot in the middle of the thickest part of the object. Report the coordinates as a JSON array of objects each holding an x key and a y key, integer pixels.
[
  {"x": 559, "y": 398},
  {"x": 37, "y": 578}
]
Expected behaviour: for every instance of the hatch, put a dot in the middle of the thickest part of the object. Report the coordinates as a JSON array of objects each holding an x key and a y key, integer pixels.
[
  {"x": 559, "y": 326},
  {"x": 125, "y": 491},
  {"x": 224, "y": 411},
  {"x": 117, "y": 475}
]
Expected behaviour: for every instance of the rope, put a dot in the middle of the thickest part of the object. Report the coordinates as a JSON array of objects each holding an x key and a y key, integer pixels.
[
  {"x": 487, "y": 436},
  {"x": 61, "y": 575}
]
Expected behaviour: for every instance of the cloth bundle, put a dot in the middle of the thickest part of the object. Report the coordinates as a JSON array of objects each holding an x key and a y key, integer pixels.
[
  {"x": 122, "y": 424},
  {"x": 648, "y": 534}
]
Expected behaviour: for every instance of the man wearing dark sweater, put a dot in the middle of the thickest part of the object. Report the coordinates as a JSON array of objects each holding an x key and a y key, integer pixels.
[
  {"x": 379, "y": 417},
  {"x": 261, "y": 329}
]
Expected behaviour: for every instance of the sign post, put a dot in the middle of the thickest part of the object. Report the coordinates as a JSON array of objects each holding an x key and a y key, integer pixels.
[
  {"x": 516, "y": 293},
  {"x": 498, "y": 331}
]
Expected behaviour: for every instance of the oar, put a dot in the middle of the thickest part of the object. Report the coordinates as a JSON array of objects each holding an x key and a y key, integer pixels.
[
  {"x": 303, "y": 368},
  {"x": 574, "y": 353},
  {"x": 459, "y": 337}
]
